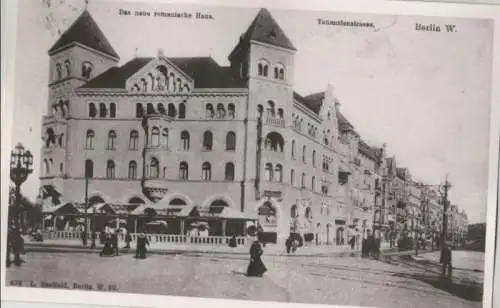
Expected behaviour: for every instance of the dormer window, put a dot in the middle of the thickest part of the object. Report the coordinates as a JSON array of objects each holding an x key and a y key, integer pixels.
[
  {"x": 262, "y": 68},
  {"x": 67, "y": 66},
  {"x": 59, "y": 71},
  {"x": 279, "y": 72},
  {"x": 87, "y": 68}
]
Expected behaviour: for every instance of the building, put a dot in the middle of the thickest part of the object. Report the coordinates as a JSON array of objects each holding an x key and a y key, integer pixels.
[{"x": 177, "y": 134}]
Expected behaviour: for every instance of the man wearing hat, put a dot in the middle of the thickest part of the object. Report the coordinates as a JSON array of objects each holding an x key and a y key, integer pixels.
[{"x": 446, "y": 260}]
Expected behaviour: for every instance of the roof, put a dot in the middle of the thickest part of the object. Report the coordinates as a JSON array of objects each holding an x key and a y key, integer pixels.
[
  {"x": 85, "y": 31},
  {"x": 371, "y": 152},
  {"x": 265, "y": 29},
  {"x": 205, "y": 72}
]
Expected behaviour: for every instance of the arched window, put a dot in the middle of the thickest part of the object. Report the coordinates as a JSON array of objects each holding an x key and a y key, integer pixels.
[
  {"x": 59, "y": 71},
  {"x": 230, "y": 141},
  {"x": 139, "y": 110},
  {"x": 47, "y": 167},
  {"x": 134, "y": 140},
  {"x": 207, "y": 141},
  {"x": 183, "y": 171},
  {"x": 89, "y": 141},
  {"x": 60, "y": 140},
  {"x": 268, "y": 173},
  {"x": 87, "y": 70},
  {"x": 155, "y": 136},
  {"x": 231, "y": 110},
  {"x": 270, "y": 109},
  {"x": 150, "y": 109},
  {"x": 102, "y": 110},
  {"x": 164, "y": 172},
  {"x": 185, "y": 140},
  {"x": 89, "y": 169},
  {"x": 308, "y": 213},
  {"x": 294, "y": 211},
  {"x": 313, "y": 183},
  {"x": 206, "y": 171},
  {"x": 92, "y": 110},
  {"x": 221, "y": 112},
  {"x": 314, "y": 158},
  {"x": 67, "y": 66},
  {"x": 278, "y": 173},
  {"x": 171, "y": 110},
  {"x": 293, "y": 149},
  {"x": 132, "y": 170},
  {"x": 260, "y": 110},
  {"x": 274, "y": 142},
  {"x": 229, "y": 172},
  {"x": 303, "y": 180},
  {"x": 110, "y": 169},
  {"x": 304, "y": 154},
  {"x": 164, "y": 137},
  {"x": 276, "y": 72},
  {"x": 292, "y": 177},
  {"x": 112, "y": 110},
  {"x": 280, "y": 113},
  {"x": 50, "y": 137},
  {"x": 154, "y": 168},
  {"x": 209, "y": 111},
  {"x": 161, "y": 109},
  {"x": 182, "y": 110},
  {"x": 111, "y": 140},
  {"x": 282, "y": 74},
  {"x": 262, "y": 68}
]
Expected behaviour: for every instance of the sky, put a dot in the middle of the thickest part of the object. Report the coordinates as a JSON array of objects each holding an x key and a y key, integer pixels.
[{"x": 425, "y": 94}]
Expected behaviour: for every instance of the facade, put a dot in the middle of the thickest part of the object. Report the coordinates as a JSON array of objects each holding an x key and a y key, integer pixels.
[{"x": 236, "y": 141}]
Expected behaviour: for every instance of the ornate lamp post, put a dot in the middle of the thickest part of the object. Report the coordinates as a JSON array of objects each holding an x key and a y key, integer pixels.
[{"x": 21, "y": 163}]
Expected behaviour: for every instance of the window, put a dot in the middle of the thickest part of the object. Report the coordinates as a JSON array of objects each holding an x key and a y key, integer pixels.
[
  {"x": 276, "y": 72},
  {"x": 278, "y": 173},
  {"x": 110, "y": 169},
  {"x": 164, "y": 172},
  {"x": 111, "y": 140},
  {"x": 92, "y": 110},
  {"x": 324, "y": 190},
  {"x": 314, "y": 158},
  {"x": 293, "y": 149},
  {"x": 102, "y": 110},
  {"x": 182, "y": 110},
  {"x": 230, "y": 141},
  {"x": 150, "y": 109},
  {"x": 89, "y": 141},
  {"x": 308, "y": 213},
  {"x": 304, "y": 154},
  {"x": 268, "y": 173},
  {"x": 294, "y": 212},
  {"x": 171, "y": 110},
  {"x": 206, "y": 171},
  {"x": 279, "y": 72},
  {"x": 260, "y": 110},
  {"x": 183, "y": 171},
  {"x": 59, "y": 71},
  {"x": 292, "y": 177},
  {"x": 47, "y": 166},
  {"x": 282, "y": 74},
  {"x": 229, "y": 172},
  {"x": 112, "y": 110},
  {"x": 154, "y": 168},
  {"x": 270, "y": 109},
  {"x": 67, "y": 66},
  {"x": 231, "y": 110},
  {"x": 60, "y": 140},
  {"x": 303, "y": 180},
  {"x": 164, "y": 138},
  {"x": 161, "y": 109},
  {"x": 221, "y": 112},
  {"x": 280, "y": 113},
  {"x": 155, "y": 136},
  {"x": 132, "y": 170},
  {"x": 139, "y": 110},
  {"x": 86, "y": 70},
  {"x": 185, "y": 140},
  {"x": 262, "y": 68},
  {"x": 207, "y": 141},
  {"x": 313, "y": 183},
  {"x": 209, "y": 111},
  {"x": 134, "y": 140},
  {"x": 89, "y": 169}
]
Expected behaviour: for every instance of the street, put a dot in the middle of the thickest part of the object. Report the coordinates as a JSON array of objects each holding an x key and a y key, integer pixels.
[{"x": 395, "y": 282}]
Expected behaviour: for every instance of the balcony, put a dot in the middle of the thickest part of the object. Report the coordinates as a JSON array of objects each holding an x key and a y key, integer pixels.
[
  {"x": 154, "y": 188},
  {"x": 275, "y": 122}
]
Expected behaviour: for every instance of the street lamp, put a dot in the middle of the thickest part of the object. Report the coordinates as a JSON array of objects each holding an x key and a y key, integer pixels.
[{"x": 21, "y": 163}]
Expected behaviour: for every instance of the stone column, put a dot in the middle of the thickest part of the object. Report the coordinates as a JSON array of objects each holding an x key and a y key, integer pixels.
[
  {"x": 135, "y": 224},
  {"x": 224, "y": 224},
  {"x": 183, "y": 227}
]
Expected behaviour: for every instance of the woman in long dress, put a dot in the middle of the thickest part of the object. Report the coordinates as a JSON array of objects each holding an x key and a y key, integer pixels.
[{"x": 256, "y": 268}]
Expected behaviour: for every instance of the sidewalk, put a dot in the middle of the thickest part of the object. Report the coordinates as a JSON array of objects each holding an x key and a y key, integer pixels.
[{"x": 163, "y": 248}]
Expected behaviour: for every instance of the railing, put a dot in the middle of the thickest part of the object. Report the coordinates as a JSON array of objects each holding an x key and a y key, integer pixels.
[
  {"x": 156, "y": 238},
  {"x": 275, "y": 122}
]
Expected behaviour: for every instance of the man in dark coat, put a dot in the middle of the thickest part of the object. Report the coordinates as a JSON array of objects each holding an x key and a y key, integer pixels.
[
  {"x": 142, "y": 241},
  {"x": 256, "y": 268},
  {"x": 16, "y": 246},
  {"x": 288, "y": 244},
  {"x": 114, "y": 242},
  {"x": 370, "y": 244}
]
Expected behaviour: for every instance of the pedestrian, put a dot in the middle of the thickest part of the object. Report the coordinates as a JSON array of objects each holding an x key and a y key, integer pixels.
[
  {"x": 376, "y": 247},
  {"x": 256, "y": 267},
  {"x": 114, "y": 241},
  {"x": 232, "y": 241},
  {"x": 288, "y": 244},
  {"x": 84, "y": 238},
  {"x": 141, "y": 250},
  {"x": 364, "y": 245},
  {"x": 370, "y": 243},
  {"x": 446, "y": 261},
  {"x": 94, "y": 237},
  {"x": 128, "y": 239},
  {"x": 17, "y": 246},
  {"x": 352, "y": 242},
  {"x": 10, "y": 237}
]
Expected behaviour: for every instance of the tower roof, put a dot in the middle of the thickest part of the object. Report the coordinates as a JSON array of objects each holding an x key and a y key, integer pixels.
[
  {"x": 265, "y": 29},
  {"x": 85, "y": 31}
]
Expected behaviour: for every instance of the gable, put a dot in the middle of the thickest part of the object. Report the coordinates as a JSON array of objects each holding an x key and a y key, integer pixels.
[{"x": 160, "y": 76}]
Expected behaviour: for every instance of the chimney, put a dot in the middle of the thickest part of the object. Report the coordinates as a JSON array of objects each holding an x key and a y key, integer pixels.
[{"x": 160, "y": 53}]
